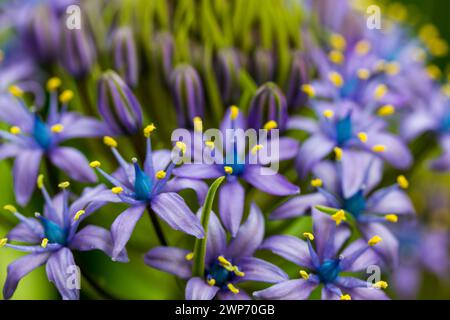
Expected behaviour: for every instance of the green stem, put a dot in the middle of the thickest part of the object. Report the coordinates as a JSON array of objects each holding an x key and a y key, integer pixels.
[{"x": 157, "y": 227}]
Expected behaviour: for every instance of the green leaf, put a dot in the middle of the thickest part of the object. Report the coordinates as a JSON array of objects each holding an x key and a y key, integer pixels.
[
  {"x": 327, "y": 210},
  {"x": 200, "y": 244}
]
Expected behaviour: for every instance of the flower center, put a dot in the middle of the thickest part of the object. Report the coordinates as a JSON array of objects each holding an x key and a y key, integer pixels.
[
  {"x": 329, "y": 270},
  {"x": 236, "y": 164},
  {"x": 446, "y": 123},
  {"x": 220, "y": 274},
  {"x": 53, "y": 232},
  {"x": 142, "y": 183},
  {"x": 41, "y": 133},
  {"x": 349, "y": 87},
  {"x": 344, "y": 130},
  {"x": 355, "y": 204}
]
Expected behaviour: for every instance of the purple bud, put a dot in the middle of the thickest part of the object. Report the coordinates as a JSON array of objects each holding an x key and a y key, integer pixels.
[
  {"x": 297, "y": 77},
  {"x": 163, "y": 47},
  {"x": 268, "y": 105},
  {"x": 227, "y": 67},
  {"x": 125, "y": 55},
  {"x": 117, "y": 104},
  {"x": 187, "y": 92},
  {"x": 263, "y": 66},
  {"x": 78, "y": 51}
]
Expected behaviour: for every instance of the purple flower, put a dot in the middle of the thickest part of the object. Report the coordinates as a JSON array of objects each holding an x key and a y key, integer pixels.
[
  {"x": 263, "y": 65},
  {"x": 226, "y": 264},
  {"x": 150, "y": 188},
  {"x": 324, "y": 264},
  {"x": 125, "y": 55},
  {"x": 348, "y": 185},
  {"x": 236, "y": 165},
  {"x": 298, "y": 76},
  {"x": 52, "y": 237},
  {"x": 31, "y": 138},
  {"x": 163, "y": 50},
  {"x": 227, "y": 68}
]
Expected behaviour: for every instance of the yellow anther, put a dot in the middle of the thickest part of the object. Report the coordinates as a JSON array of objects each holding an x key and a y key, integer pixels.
[
  {"x": 328, "y": 113},
  {"x": 308, "y": 235},
  {"x": 438, "y": 47},
  {"x": 271, "y": 124},
  {"x": 446, "y": 90},
  {"x": 209, "y": 144},
  {"x": 379, "y": 148},
  {"x": 16, "y": 91},
  {"x": 78, "y": 215},
  {"x": 232, "y": 288},
  {"x": 380, "y": 65},
  {"x": 198, "y": 124},
  {"x": 117, "y": 190},
  {"x": 110, "y": 142},
  {"x": 304, "y": 274},
  {"x": 309, "y": 90},
  {"x": 363, "y": 74},
  {"x": 362, "y": 136},
  {"x": 181, "y": 146},
  {"x": 380, "y": 285},
  {"x": 149, "y": 129},
  {"x": 228, "y": 170},
  {"x": 338, "y": 42},
  {"x": 256, "y": 148},
  {"x": 57, "y": 128},
  {"x": 160, "y": 175},
  {"x": 238, "y": 272},
  {"x": 10, "y": 208},
  {"x": 386, "y": 110},
  {"x": 189, "y": 256},
  {"x": 95, "y": 164},
  {"x": 336, "y": 56},
  {"x": 211, "y": 281},
  {"x": 234, "y": 112},
  {"x": 362, "y": 47},
  {"x": 345, "y": 297},
  {"x": 338, "y": 153},
  {"x": 391, "y": 218},
  {"x": 338, "y": 217},
  {"x": 380, "y": 91},
  {"x": 223, "y": 261},
  {"x": 40, "y": 181},
  {"x": 53, "y": 83},
  {"x": 66, "y": 96},
  {"x": 336, "y": 79},
  {"x": 428, "y": 31},
  {"x": 15, "y": 130},
  {"x": 374, "y": 240},
  {"x": 392, "y": 68},
  {"x": 403, "y": 182},
  {"x": 434, "y": 72},
  {"x": 44, "y": 243},
  {"x": 316, "y": 183},
  {"x": 64, "y": 184},
  {"x": 3, "y": 242}
]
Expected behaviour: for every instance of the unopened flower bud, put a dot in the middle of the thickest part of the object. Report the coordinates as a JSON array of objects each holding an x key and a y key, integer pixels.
[
  {"x": 125, "y": 55},
  {"x": 227, "y": 66}
]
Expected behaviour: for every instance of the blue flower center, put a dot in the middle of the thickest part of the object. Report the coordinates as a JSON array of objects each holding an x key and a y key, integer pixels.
[
  {"x": 236, "y": 164},
  {"x": 344, "y": 130},
  {"x": 53, "y": 232},
  {"x": 329, "y": 270},
  {"x": 355, "y": 204},
  {"x": 142, "y": 184},
  {"x": 445, "y": 125},
  {"x": 221, "y": 275},
  {"x": 349, "y": 87},
  {"x": 41, "y": 133}
]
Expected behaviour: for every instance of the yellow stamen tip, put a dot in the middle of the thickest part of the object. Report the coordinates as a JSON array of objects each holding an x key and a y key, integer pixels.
[
  {"x": 160, "y": 175},
  {"x": 110, "y": 142},
  {"x": 316, "y": 183},
  {"x": 328, "y": 113},
  {"x": 380, "y": 91},
  {"x": 336, "y": 79},
  {"x": 308, "y": 235},
  {"x": 338, "y": 42},
  {"x": 339, "y": 216},
  {"x": 181, "y": 146},
  {"x": 15, "y": 130},
  {"x": 362, "y": 47},
  {"x": 374, "y": 240},
  {"x": 78, "y": 214},
  {"x": 234, "y": 112},
  {"x": 379, "y": 148},
  {"x": 338, "y": 153},
  {"x": 271, "y": 124},
  {"x": 403, "y": 182},
  {"x": 257, "y": 148},
  {"x": 304, "y": 274},
  {"x": 66, "y": 96},
  {"x": 10, "y": 208},
  {"x": 57, "y": 128},
  {"x": 53, "y": 83},
  {"x": 44, "y": 243},
  {"x": 228, "y": 170},
  {"x": 363, "y": 74},
  {"x": 392, "y": 68},
  {"x": 149, "y": 129},
  {"x": 386, "y": 110},
  {"x": 434, "y": 72},
  {"x": 224, "y": 261},
  {"x": 336, "y": 57},
  {"x": 238, "y": 272},
  {"x": 345, "y": 297},
  {"x": 391, "y": 218},
  {"x": 362, "y": 136},
  {"x": 232, "y": 288},
  {"x": 64, "y": 184},
  {"x": 40, "y": 181},
  {"x": 16, "y": 91},
  {"x": 3, "y": 242},
  {"x": 380, "y": 285},
  {"x": 189, "y": 256},
  {"x": 117, "y": 190},
  {"x": 198, "y": 124},
  {"x": 95, "y": 164},
  {"x": 209, "y": 144},
  {"x": 309, "y": 90},
  {"x": 211, "y": 282}
]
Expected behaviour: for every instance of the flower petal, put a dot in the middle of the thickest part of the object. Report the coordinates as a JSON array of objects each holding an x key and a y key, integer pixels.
[
  {"x": 394, "y": 202},
  {"x": 169, "y": 259},
  {"x": 198, "y": 171},
  {"x": 367, "y": 258},
  {"x": 25, "y": 172},
  {"x": 259, "y": 270},
  {"x": 58, "y": 266},
  {"x": 311, "y": 152},
  {"x": 228, "y": 295},
  {"x": 198, "y": 289},
  {"x": 217, "y": 238},
  {"x": 387, "y": 249},
  {"x": 290, "y": 248},
  {"x": 397, "y": 152},
  {"x": 367, "y": 294},
  {"x": 78, "y": 126},
  {"x": 298, "y": 206},
  {"x": 178, "y": 184},
  {"x": 267, "y": 180},
  {"x": 74, "y": 163},
  {"x": 23, "y": 233},
  {"x": 288, "y": 290},
  {"x": 9, "y": 150},
  {"x": 231, "y": 211}
]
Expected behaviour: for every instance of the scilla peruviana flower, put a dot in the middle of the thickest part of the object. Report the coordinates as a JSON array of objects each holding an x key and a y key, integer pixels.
[{"x": 52, "y": 236}]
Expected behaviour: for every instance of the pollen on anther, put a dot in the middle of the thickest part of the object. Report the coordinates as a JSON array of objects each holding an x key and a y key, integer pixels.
[
  {"x": 308, "y": 235},
  {"x": 257, "y": 148},
  {"x": 362, "y": 136},
  {"x": 380, "y": 285},
  {"x": 198, "y": 124},
  {"x": 110, "y": 142},
  {"x": 117, "y": 190},
  {"x": 379, "y": 148},
  {"x": 149, "y": 129},
  {"x": 64, "y": 185},
  {"x": 232, "y": 288},
  {"x": 78, "y": 215},
  {"x": 40, "y": 181},
  {"x": 391, "y": 218},
  {"x": 44, "y": 243},
  {"x": 345, "y": 297},
  {"x": 234, "y": 112},
  {"x": 316, "y": 183},
  {"x": 53, "y": 83},
  {"x": 328, "y": 113},
  {"x": 95, "y": 164},
  {"x": 228, "y": 170},
  {"x": 16, "y": 91},
  {"x": 10, "y": 208},
  {"x": 338, "y": 153},
  {"x": 15, "y": 130},
  {"x": 66, "y": 96},
  {"x": 189, "y": 256},
  {"x": 374, "y": 240},
  {"x": 403, "y": 182},
  {"x": 160, "y": 175},
  {"x": 3, "y": 242},
  {"x": 309, "y": 90},
  {"x": 271, "y": 124},
  {"x": 304, "y": 274}
]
